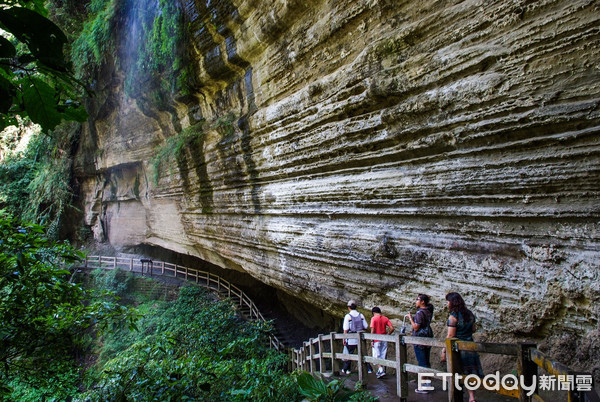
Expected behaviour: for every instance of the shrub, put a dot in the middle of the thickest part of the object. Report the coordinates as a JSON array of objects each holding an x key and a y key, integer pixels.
[{"x": 195, "y": 348}]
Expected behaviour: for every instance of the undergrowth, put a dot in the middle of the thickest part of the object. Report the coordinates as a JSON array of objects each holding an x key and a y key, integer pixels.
[
  {"x": 35, "y": 185},
  {"x": 195, "y": 348}
]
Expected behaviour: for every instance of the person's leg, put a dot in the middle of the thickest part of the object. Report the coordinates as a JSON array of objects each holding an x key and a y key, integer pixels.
[
  {"x": 420, "y": 355},
  {"x": 427, "y": 354},
  {"x": 383, "y": 352},
  {"x": 376, "y": 347},
  {"x": 347, "y": 363}
]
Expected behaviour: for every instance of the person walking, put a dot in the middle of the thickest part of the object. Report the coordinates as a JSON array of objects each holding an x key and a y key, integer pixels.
[
  {"x": 461, "y": 325},
  {"x": 353, "y": 322},
  {"x": 421, "y": 326},
  {"x": 380, "y": 324}
]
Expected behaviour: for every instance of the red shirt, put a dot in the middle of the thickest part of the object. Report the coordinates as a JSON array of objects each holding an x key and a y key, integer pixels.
[{"x": 378, "y": 324}]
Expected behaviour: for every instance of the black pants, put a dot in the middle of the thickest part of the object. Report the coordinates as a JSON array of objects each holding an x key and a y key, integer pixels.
[{"x": 347, "y": 363}]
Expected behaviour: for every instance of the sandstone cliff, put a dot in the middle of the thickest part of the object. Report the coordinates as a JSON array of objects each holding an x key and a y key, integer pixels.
[{"x": 373, "y": 150}]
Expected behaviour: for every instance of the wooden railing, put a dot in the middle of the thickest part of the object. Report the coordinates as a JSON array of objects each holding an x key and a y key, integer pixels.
[
  {"x": 203, "y": 278},
  {"x": 323, "y": 354}
]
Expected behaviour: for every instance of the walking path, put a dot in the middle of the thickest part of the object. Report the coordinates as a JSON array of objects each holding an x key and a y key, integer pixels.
[{"x": 385, "y": 389}]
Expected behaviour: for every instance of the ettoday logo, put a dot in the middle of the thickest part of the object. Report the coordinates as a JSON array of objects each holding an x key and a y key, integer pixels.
[{"x": 493, "y": 382}]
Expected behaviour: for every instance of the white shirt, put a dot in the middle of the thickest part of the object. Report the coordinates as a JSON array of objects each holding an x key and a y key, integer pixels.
[{"x": 348, "y": 320}]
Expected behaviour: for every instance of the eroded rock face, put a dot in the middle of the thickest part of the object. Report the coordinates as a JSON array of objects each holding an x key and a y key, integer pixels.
[{"x": 375, "y": 150}]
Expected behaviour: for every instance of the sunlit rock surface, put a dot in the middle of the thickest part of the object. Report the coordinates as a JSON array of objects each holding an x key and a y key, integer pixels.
[{"x": 374, "y": 150}]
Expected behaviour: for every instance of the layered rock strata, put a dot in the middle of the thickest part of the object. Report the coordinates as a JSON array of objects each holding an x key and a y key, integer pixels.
[{"x": 374, "y": 150}]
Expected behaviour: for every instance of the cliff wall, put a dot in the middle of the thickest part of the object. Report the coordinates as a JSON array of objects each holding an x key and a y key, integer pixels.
[{"x": 374, "y": 150}]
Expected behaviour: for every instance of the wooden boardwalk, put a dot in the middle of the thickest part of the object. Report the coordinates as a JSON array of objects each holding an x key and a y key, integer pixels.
[
  {"x": 324, "y": 354},
  {"x": 145, "y": 266}
]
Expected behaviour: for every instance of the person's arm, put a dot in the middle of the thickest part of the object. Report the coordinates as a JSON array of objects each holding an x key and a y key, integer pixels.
[
  {"x": 415, "y": 325},
  {"x": 451, "y": 334},
  {"x": 390, "y": 328}
]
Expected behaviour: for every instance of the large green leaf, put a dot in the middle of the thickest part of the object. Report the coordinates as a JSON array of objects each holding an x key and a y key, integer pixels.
[
  {"x": 40, "y": 103},
  {"x": 72, "y": 113},
  {"x": 43, "y": 38},
  {"x": 7, "y": 91},
  {"x": 36, "y": 5},
  {"x": 7, "y": 49}
]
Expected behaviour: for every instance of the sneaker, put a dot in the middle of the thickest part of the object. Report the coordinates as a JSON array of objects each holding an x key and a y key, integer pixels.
[
  {"x": 370, "y": 371},
  {"x": 342, "y": 372},
  {"x": 380, "y": 374},
  {"x": 421, "y": 391}
]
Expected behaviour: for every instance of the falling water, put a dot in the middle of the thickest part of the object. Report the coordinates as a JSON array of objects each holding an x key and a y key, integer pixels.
[{"x": 139, "y": 18}]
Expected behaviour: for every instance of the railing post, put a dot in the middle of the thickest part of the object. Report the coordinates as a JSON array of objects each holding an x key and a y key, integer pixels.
[
  {"x": 311, "y": 352},
  {"x": 131, "y": 264},
  {"x": 304, "y": 356},
  {"x": 401, "y": 374},
  {"x": 321, "y": 350},
  {"x": 86, "y": 262},
  {"x": 162, "y": 268},
  {"x": 114, "y": 262},
  {"x": 334, "y": 363},
  {"x": 526, "y": 368},
  {"x": 453, "y": 366},
  {"x": 360, "y": 351}
]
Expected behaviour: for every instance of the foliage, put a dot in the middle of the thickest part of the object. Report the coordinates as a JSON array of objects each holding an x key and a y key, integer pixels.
[
  {"x": 15, "y": 175},
  {"x": 192, "y": 349},
  {"x": 42, "y": 313},
  {"x": 35, "y": 79},
  {"x": 150, "y": 55},
  {"x": 316, "y": 389},
  {"x": 116, "y": 281},
  {"x": 174, "y": 148},
  {"x": 95, "y": 42},
  {"x": 35, "y": 185},
  {"x": 156, "y": 54}
]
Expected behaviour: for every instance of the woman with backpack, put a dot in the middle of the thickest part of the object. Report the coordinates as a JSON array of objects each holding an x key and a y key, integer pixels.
[{"x": 421, "y": 326}]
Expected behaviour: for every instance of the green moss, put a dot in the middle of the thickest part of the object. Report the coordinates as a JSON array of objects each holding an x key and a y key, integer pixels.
[
  {"x": 173, "y": 149},
  {"x": 157, "y": 59},
  {"x": 161, "y": 33},
  {"x": 96, "y": 42}
]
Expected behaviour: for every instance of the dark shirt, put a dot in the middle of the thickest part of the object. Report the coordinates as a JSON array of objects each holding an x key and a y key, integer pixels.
[
  {"x": 464, "y": 325},
  {"x": 423, "y": 318}
]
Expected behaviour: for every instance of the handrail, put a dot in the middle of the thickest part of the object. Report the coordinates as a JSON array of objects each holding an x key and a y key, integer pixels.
[
  {"x": 202, "y": 278},
  {"x": 324, "y": 354}
]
